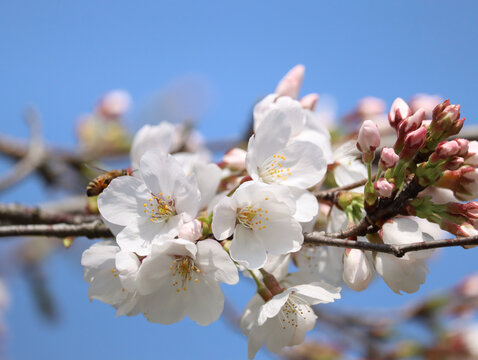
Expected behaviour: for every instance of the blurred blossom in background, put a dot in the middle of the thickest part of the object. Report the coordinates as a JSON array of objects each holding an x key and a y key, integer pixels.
[{"x": 202, "y": 64}]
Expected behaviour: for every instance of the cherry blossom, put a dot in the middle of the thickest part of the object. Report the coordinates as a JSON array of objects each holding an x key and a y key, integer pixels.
[
  {"x": 261, "y": 219},
  {"x": 181, "y": 278},
  {"x": 151, "y": 206}
]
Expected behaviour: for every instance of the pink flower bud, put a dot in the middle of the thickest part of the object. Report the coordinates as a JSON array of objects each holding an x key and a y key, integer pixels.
[
  {"x": 388, "y": 158},
  {"x": 412, "y": 122},
  {"x": 309, "y": 101},
  {"x": 414, "y": 141},
  {"x": 114, "y": 104},
  {"x": 235, "y": 158},
  {"x": 368, "y": 137},
  {"x": 384, "y": 188},
  {"x": 291, "y": 82},
  {"x": 455, "y": 163},
  {"x": 464, "y": 144},
  {"x": 447, "y": 149},
  {"x": 468, "y": 210},
  {"x": 357, "y": 271},
  {"x": 399, "y": 111},
  {"x": 191, "y": 230}
]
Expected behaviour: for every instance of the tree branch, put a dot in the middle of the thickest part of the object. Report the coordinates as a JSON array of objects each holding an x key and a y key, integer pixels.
[
  {"x": 20, "y": 214},
  {"x": 318, "y": 238},
  {"x": 91, "y": 230},
  {"x": 33, "y": 157}
]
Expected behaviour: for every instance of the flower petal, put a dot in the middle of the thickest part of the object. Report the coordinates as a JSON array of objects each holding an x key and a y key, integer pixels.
[
  {"x": 224, "y": 218},
  {"x": 123, "y": 200},
  {"x": 246, "y": 249},
  {"x": 214, "y": 261},
  {"x": 205, "y": 301}
]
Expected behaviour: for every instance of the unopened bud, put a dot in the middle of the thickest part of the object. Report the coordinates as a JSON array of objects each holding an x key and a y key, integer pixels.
[
  {"x": 388, "y": 158},
  {"x": 235, "y": 158},
  {"x": 447, "y": 149},
  {"x": 191, "y": 230},
  {"x": 369, "y": 137},
  {"x": 464, "y": 145},
  {"x": 468, "y": 210},
  {"x": 384, "y": 188},
  {"x": 414, "y": 141},
  {"x": 291, "y": 82},
  {"x": 309, "y": 101},
  {"x": 412, "y": 122},
  {"x": 114, "y": 104},
  {"x": 446, "y": 121},
  {"x": 357, "y": 272},
  {"x": 455, "y": 163},
  {"x": 399, "y": 111}
]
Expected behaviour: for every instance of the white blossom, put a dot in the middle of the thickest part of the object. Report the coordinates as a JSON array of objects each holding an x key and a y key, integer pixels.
[
  {"x": 284, "y": 319},
  {"x": 154, "y": 204},
  {"x": 261, "y": 218},
  {"x": 181, "y": 278}
]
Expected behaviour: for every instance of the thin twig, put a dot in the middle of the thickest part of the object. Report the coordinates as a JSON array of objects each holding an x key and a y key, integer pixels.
[
  {"x": 329, "y": 194},
  {"x": 92, "y": 230},
  {"x": 318, "y": 238},
  {"x": 21, "y": 214},
  {"x": 33, "y": 157}
]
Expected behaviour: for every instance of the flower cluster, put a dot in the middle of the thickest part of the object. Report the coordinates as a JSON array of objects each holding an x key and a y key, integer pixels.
[{"x": 184, "y": 224}]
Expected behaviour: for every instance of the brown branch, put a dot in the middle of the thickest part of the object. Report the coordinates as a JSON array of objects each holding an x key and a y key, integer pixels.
[
  {"x": 330, "y": 194},
  {"x": 20, "y": 214},
  {"x": 32, "y": 158},
  {"x": 91, "y": 230},
  {"x": 317, "y": 238}
]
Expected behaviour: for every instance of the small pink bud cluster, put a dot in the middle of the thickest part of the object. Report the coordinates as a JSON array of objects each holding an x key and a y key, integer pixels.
[
  {"x": 368, "y": 140},
  {"x": 468, "y": 210},
  {"x": 452, "y": 151},
  {"x": 446, "y": 121}
]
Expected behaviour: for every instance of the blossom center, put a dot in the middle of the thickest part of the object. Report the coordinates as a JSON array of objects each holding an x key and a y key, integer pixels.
[
  {"x": 253, "y": 218},
  {"x": 290, "y": 312},
  {"x": 273, "y": 169},
  {"x": 160, "y": 208},
  {"x": 184, "y": 270}
]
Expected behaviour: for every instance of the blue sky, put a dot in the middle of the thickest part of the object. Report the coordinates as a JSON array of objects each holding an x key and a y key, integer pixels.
[{"x": 62, "y": 55}]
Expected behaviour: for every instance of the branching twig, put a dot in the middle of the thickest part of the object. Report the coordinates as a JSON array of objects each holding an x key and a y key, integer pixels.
[
  {"x": 95, "y": 229},
  {"x": 33, "y": 157},
  {"x": 317, "y": 238}
]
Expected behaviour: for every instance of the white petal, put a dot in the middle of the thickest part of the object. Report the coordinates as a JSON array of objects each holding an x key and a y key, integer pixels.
[
  {"x": 307, "y": 206},
  {"x": 306, "y": 163},
  {"x": 214, "y": 261},
  {"x": 283, "y": 233},
  {"x": 205, "y": 301},
  {"x": 250, "y": 314},
  {"x": 151, "y": 137},
  {"x": 208, "y": 179},
  {"x": 401, "y": 231},
  {"x": 346, "y": 174},
  {"x": 271, "y": 137},
  {"x": 186, "y": 195},
  {"x": 224, "y": 219},
  {"x": 127, "y": 265},
  {"x": 161, "y": 173},
  {"x": 246, "y": 249},
  {"x": 139, "y": 235},
  {"x": 272, "y": 307},
  {"x": 123, "y": 200},
  {"x": 317, "y": 293},
  {"x": 154, "y": 272},
  {"x": 106, "y": 287},
  {"x": 100, "y": 255},
  {"x": 165, "y": 306},
  {"x": 399, "y": 274},
  {"x": 257, "y": 336}
]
